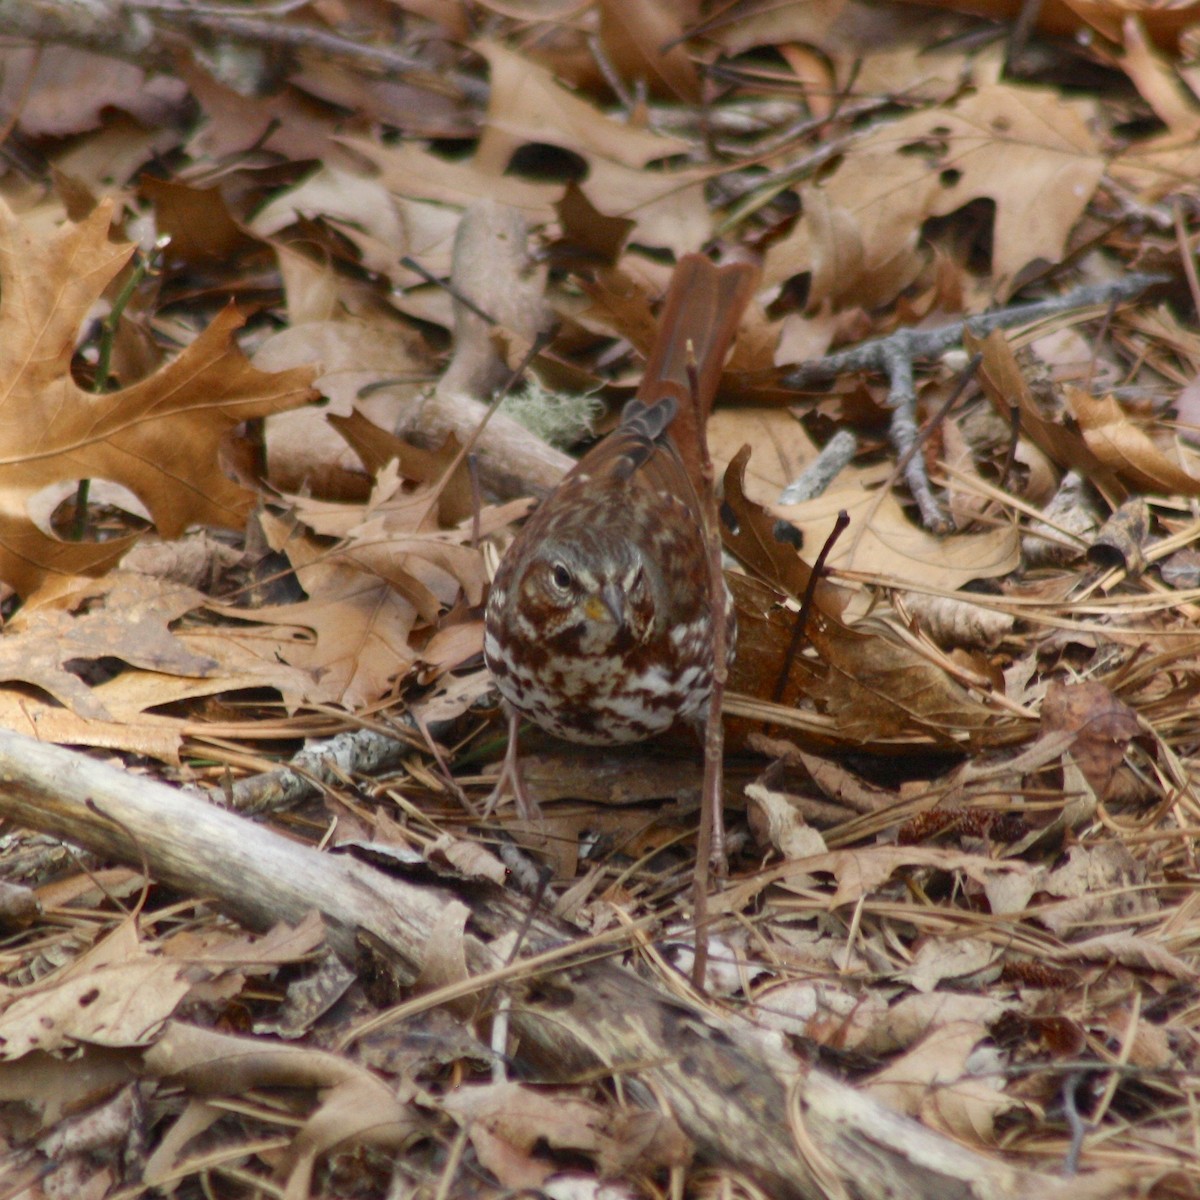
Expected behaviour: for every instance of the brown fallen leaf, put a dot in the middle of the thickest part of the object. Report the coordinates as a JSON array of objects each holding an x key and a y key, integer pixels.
[
  {"x": 507, "y": 1121},
  {"x": 882, "y": 541},
  {"x": 101, "y": 999},
  {"x": 1126, "y": 449},
  {"x": 937, "y": 1081},
  {"x": 645, "y": 43},
  {"x": 1131, "y": 950},
  {"x": 350, "y": 637},
  {"x": 527, "y": 104},
  {"x": 1006, "y": 386},
  {"x": 1026, "y": 149},
  {"x": 1103, "y": 727},
  {"x": 1097, "y": 889},
  {"x": 197, "y": 220},
  {"x": 46, "y": 96},
  {"x": 356, "y": 1105},
  {"x": 50, "y": 1086},
  {"x": 152, "y": 735},
  {"x": 125, "y": 616},
  {"x": 862, "y": 871},
  {"x": 376, "y": 448},
  {"x": 161, "y": 437},
  {"x": 304, "y": 454},
  {"x": 222, "y": 950},
  {"x": 867, "y": 678}
]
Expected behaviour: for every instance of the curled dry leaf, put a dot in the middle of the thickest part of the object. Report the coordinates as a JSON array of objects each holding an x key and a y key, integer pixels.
[
  {"x": 1131, "y": 950},
  {"x": 871, "y": 682},
  {"x": 355, "y": 1106},
  {"x": 777, "y": 823},
  {"x": 351, "y": 636},
  {"x": 862, "y": 871},
  {"x": 950, "y": 621},
  {"x": 971, "y": 961},
  {"x": 355, "y": 354},
  {"x": 1070, "y": 518},
  {"x": 376, "y": 448},
  {"x": 645, "y": 43},
  {"x": 882, "y": 542},
  {"x": 831, "y": 1012},
  {"x": 1005, "y": 385},
  {"x": 755, "y": 537},
  {"x": 507, "y": 1121},
  {"x": 1121, "y": 542},
  {"x": 118, "y": 1004},
  {"x": 1099, "y": 887},
  {"x": 1125, "y": 449}
]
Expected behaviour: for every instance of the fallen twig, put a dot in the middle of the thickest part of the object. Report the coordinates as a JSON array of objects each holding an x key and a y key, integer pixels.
[{"x": 895, "y": 355}]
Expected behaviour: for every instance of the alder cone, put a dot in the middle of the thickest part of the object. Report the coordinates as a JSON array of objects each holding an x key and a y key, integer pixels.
[{"x": 599, "y": 620}]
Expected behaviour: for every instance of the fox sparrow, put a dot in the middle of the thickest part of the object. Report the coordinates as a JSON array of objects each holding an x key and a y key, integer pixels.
[{"x": 599, "y": 620}]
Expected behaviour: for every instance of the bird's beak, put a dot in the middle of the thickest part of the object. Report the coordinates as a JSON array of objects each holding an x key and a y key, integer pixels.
[{"x": 610, "y": 603}]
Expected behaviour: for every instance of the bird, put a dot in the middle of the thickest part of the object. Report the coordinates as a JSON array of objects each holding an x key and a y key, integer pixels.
[{"x": 599, "y": 621}]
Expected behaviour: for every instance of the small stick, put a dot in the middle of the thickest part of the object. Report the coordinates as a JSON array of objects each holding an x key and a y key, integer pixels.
[
  {"x": 895, "y": 355},
  {"x": 710, "y": 839},
  {"x": 818, "y": 568}
]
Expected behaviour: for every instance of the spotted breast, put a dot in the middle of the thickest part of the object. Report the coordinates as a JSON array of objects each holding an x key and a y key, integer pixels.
[{"x": 599, "y": 620}]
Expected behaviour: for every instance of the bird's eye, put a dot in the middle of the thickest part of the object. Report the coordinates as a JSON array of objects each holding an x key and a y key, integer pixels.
[{"x": 561, "y": 577}]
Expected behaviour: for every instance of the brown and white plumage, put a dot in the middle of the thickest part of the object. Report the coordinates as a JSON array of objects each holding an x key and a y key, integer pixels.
[
  {"x": 598, "y": 624},
  {"x": 586, "y": 634}
]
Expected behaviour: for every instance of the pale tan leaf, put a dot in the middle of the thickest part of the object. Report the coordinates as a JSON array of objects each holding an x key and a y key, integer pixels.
[
  {"x": 935, "y": 1080},
  {"x": 116, "y": 1004},
  {"x": 1027, "y": 149},
  {"x": 1127, "y": 450}
]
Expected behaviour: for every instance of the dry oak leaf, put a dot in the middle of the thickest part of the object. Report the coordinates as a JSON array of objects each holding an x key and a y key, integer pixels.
[
  {"x": 395, "y": 537},
  {"x": 152, "y": 735},
  {"x": 526, "y": 105},
  {"x": 243, "y": 657},
  {"x": 939, "y": 1080},
  {"x": 1005, "y": 385},
  {"x": 350, "y": 636},
  {"x": 860, "y": 872},
  {"x": 354, "y": 1105},
  {"x": 121, "y": 1004},
  {"x": 872, "y": 683},
  {"x": 507, "y": 1121},
  {"x": 160, "y": 438},
  {"x": 882, "y": 540},
  {"x": 645, "y": 42},
  {"x": 1102, "y": 724},
  {"x": 126, "y": 617},
  {"x": 1026, "y": 149}
]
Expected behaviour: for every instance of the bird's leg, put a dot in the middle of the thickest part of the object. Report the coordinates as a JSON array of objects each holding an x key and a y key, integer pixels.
[{"x": 510, "y": 774}]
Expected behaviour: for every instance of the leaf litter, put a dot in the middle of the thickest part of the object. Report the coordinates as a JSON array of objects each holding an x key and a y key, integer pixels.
[{"x": 964, "y": 879}]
